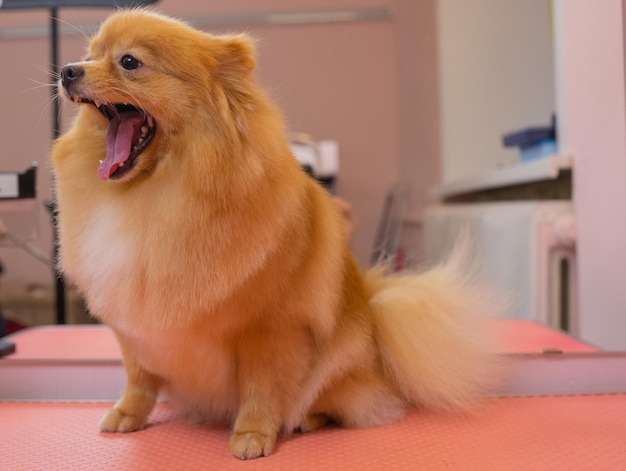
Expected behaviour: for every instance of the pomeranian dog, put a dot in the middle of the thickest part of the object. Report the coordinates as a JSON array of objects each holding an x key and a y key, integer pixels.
[{"x": 223, "y": 268}]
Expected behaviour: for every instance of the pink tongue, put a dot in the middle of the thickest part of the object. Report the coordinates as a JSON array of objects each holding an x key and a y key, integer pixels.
[{"x": 121, "y": 133}]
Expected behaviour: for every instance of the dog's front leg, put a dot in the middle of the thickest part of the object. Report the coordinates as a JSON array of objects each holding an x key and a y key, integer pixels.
[
  {"x": 256, "y": 428},
  {"x": 270, "y": 372},
  {"x": 131, "y": 411}
]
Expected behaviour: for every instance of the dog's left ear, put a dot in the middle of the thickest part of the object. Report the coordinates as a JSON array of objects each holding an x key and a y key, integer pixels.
[{"x": 235, "y": 58}]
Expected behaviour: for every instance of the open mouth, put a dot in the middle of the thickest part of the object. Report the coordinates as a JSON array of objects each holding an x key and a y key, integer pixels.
[{"x": 128, "y": 133}]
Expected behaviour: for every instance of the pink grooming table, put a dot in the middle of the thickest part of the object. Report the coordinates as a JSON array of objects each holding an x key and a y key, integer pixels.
[
  {"x": 565, "y": 432},
  {"x": 84, "y": 362},
  {"x": 568, "y": 433}
]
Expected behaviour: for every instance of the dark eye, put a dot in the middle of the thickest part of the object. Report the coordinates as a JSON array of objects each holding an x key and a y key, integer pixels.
[{"x": 129, "y": 62}]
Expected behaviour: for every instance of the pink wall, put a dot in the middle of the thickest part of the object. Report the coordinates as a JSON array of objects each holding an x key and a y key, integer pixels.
[{"x": 370, "y": 85}]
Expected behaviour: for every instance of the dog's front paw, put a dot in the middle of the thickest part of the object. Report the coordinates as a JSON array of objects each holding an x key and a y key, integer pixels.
[
  {"x": 117, "y": 421},
  {"x": 250, "y": 445}
]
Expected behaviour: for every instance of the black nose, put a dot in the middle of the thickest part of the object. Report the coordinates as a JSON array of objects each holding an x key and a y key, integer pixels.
[{"x": 70, "y": 74}]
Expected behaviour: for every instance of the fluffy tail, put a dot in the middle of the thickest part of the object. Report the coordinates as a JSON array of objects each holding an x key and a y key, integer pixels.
[{"x": 432, "y": 332}]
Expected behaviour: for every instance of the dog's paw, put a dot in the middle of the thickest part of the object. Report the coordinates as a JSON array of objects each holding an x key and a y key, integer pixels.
[
  {"x": 250, "y": 445},
  {"x": 117, "y": 421},
  {"x": 313, "y": 422}
]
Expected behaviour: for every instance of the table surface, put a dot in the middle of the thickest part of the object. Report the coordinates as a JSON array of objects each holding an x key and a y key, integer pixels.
[
  {"x": 506, "y": 434},
  {"x": 576, "y": 432}
]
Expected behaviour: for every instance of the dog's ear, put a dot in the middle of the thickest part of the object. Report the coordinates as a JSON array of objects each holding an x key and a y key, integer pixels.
[{"x": 235, "y": 58}]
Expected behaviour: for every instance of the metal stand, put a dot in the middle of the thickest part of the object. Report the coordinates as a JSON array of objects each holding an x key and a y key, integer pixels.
[{"x": 59, "y": 281}]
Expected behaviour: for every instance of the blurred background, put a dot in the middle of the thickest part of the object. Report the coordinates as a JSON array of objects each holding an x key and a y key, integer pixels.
[{"x": 433, "y": 113}]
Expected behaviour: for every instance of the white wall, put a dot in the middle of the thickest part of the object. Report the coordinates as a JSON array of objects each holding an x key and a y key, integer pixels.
[
  {"x": 592, "y": 101},
  {"x": 496, "y": 72}
]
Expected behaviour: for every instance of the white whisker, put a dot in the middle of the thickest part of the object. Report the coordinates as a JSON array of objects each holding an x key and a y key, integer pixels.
[{"x": 78, "y": 29}]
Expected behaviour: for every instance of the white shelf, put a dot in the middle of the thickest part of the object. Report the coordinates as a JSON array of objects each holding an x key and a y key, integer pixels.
[{"x": 547, "y": 168}]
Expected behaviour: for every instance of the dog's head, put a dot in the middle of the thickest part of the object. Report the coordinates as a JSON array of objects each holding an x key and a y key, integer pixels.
[{"x": 148, "y": 78}]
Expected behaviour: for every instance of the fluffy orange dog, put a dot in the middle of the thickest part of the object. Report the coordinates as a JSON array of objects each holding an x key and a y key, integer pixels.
[{"x": 223, "y": 269}]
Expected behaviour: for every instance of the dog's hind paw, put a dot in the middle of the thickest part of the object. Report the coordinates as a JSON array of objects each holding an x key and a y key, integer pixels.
[
  {"x": 313, "y": 422},
  {"x": 117, "y": 421},
  {"x": 250, "y": 445}
]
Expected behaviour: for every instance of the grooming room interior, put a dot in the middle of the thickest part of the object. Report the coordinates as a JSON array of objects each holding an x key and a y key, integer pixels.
[{"x": 424, "y": 118}]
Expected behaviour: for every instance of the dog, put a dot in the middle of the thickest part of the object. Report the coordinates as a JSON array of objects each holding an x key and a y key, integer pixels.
[{"x": 223, "y": 269}]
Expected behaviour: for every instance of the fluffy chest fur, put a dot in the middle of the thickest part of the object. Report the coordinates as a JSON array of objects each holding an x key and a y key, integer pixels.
[{"x": 107, "y": 268}]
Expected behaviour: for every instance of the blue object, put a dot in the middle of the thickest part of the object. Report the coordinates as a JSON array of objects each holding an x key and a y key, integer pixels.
[
  {"x": 529, "y": 137},
  {"x": 534, "y": 142}
]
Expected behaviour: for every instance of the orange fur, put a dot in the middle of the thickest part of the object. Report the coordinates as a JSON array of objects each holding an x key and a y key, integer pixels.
[{"x": 223, "y": 268}]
